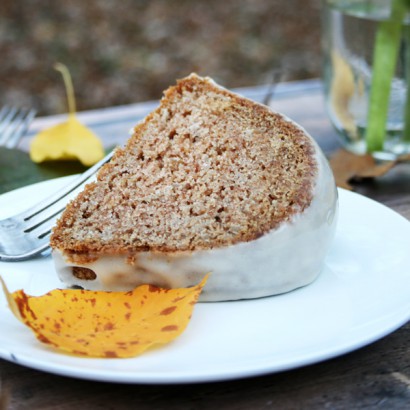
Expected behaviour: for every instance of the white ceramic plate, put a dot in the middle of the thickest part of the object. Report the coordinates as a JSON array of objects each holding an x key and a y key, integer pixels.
[{"x": 362, "y": 295}]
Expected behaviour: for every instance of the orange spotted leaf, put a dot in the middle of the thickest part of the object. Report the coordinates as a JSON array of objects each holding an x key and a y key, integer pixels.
[{"x": 106, "y": 324}]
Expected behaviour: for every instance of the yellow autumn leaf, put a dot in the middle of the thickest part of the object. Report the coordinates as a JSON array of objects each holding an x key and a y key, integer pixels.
[
  {"x": 106, "y": 324},
  {"x": 68, "y": 140}
]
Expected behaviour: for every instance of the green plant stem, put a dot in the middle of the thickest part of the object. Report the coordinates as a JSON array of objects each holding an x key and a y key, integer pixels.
[
  {"x": 384, "y": 65},
  {"x": 406, "y": 130}
]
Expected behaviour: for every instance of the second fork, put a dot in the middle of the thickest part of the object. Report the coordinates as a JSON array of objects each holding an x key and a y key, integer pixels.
[{"x": 14, "y": 123}]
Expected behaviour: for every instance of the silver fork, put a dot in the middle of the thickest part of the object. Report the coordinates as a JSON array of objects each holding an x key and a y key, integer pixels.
[
  {"x": 14, "y": 123},
  {"x": 26, "y": 235}
]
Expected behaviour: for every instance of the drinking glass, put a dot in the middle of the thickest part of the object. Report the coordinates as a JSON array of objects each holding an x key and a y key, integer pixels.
[{"x": 366, "y": 71}]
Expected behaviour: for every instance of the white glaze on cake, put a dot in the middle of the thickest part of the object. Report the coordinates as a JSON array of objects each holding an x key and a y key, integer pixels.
[{"x": 284, "y": 259}]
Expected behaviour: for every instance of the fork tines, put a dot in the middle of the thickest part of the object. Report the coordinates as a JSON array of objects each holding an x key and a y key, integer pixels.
[{"x": 14, "y": 123}]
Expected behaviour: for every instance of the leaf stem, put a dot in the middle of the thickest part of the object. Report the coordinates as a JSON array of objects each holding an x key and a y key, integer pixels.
[{"x": 68, "y": 86}]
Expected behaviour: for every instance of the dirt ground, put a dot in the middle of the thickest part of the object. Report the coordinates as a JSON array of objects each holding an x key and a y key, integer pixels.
[{"x": 127, "y": 51}]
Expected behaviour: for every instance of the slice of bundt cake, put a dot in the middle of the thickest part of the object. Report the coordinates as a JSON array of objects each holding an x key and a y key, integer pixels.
[{"x": 208, "y": 182}]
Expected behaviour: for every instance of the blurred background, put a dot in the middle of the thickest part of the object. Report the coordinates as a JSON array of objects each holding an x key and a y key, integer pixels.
[{"x": 127, "y": 51}]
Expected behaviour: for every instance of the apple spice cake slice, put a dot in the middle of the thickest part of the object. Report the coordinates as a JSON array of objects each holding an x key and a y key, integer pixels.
[{"x": 208, "y": 182}]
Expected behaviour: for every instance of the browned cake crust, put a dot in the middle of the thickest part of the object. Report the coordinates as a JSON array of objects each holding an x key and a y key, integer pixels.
[{"x": 206, "y": 169}]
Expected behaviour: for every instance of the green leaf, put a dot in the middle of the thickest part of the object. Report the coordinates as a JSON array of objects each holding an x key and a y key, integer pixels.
[{"x": 17, "y": 170}]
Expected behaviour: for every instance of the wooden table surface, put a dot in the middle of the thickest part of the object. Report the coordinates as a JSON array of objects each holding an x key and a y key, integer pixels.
[{"x": 373, "y": 377}]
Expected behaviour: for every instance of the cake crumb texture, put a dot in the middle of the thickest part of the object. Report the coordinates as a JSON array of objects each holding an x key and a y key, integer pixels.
[{"x": 206, "y": 169}]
